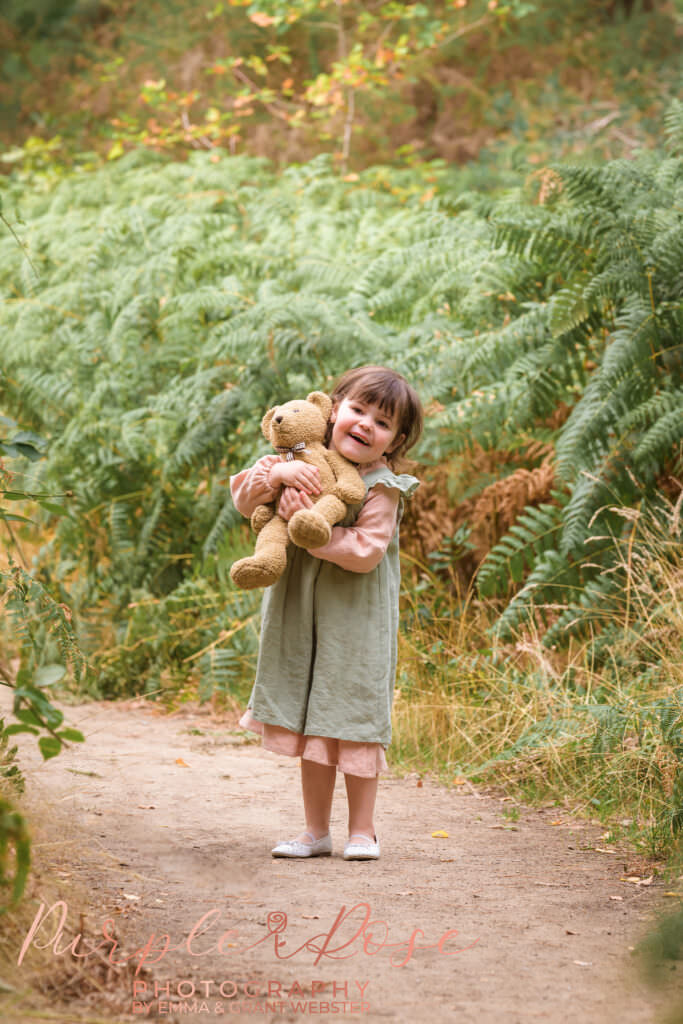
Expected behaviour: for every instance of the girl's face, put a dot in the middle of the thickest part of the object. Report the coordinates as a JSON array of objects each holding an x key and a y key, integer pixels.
[{"x": 361, "y": 431}]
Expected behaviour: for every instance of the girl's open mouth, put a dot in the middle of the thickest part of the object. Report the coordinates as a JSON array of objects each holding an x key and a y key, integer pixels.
[{"x": 359, "y": 439}]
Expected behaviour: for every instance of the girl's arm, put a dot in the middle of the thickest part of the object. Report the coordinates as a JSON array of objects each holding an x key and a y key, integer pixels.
[
  {"x": 252, "y": 486},
  {"x": 361, "y": 547}
]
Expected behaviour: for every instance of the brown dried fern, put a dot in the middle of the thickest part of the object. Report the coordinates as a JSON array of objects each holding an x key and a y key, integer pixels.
[
  {"x": 499, "y": 504},
  {"x": 432, "y": 515}
]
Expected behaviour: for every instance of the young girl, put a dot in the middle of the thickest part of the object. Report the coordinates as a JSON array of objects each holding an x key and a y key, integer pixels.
[{"x": 327, "y": 658}]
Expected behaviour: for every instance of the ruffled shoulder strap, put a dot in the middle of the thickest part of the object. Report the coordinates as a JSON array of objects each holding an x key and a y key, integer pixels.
[{"x": 403, "y": 482}]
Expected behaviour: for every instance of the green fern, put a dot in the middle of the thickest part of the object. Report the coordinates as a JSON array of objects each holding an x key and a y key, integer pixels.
[
  {"x": 176, "y": 302},
  {"x": 533, "y": 533}
]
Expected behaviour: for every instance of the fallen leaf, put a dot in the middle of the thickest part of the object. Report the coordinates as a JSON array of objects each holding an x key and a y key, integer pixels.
[
  {"x": 146, "y": 807},
  {"x": 557, "y": 823},
  {"x": 310, "y": 917},
  {"x": 678, "y": 894},
  {"x": 130, "y": 896},
  {"x": 419, "y": 783},
  {"x": 583, "y": 963},
  {"x": 616, "y": 897},
  {"x": 440, "y": 834},
  {"x": 179, "y": 760},
  {"x": 406, "y": 892},
  {"x": 601, "y": 849},
  {"x": 568, "y": 932}
]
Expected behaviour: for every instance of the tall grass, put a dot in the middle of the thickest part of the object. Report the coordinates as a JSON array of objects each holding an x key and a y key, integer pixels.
[{"x": 600, "y": 725}]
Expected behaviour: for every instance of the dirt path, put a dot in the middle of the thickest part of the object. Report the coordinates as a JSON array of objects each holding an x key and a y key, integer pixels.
[{"x": 167, "y": 818}]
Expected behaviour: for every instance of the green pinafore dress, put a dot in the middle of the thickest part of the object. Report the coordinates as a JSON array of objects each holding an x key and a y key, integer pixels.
[{"x": 327, "y": 657}]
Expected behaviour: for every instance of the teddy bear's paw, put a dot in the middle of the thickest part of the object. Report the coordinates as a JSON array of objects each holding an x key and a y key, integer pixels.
[
  {"x": 351, "y": 493},
  {"x": 262, "y": 515},
  {"x": 249, "y": 573},
  {"x": 308, "y": 529}
]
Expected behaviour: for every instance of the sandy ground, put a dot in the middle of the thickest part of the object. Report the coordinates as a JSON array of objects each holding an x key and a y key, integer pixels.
[{"x": 166, "y": 823}]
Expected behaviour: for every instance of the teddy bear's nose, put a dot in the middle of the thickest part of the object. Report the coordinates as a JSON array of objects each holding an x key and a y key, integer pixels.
[{"x": 278, "y": 418}]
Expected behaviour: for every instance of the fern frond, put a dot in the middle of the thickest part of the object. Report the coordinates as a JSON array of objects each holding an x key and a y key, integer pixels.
[
  {"x": 597, "y": 605},
  {"x": 533, "y": 533},
  {"x": 659, "y": 442},
  {"x": 673, "y": 126},
  {"x": 551, "y": 582}
]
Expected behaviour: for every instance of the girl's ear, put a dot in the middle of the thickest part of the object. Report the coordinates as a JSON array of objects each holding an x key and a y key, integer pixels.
[
  {"x": 396, "y": 443},
  {"x": 333, "y": 414}
]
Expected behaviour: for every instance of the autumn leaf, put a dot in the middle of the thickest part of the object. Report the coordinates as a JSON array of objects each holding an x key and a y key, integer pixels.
[{"x": 261, "y": 19}]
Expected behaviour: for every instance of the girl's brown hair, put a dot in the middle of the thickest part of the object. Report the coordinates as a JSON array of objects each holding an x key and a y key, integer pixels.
[{"x": 387, "y": 389}]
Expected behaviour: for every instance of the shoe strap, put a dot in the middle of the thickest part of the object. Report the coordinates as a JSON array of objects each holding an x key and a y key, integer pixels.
[{"x": 361, "y": 835}]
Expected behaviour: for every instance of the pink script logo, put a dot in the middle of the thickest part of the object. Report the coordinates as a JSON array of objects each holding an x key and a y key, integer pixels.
[{"x": 352, "y": 931}]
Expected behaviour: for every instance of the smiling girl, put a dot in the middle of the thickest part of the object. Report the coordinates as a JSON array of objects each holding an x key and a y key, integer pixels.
[{"x": 327, "y": 658}]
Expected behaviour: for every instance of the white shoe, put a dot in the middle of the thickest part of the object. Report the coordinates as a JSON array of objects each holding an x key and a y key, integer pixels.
[
  {"x": 295, "y": 848},
  {"x": 368, "y": 850}
]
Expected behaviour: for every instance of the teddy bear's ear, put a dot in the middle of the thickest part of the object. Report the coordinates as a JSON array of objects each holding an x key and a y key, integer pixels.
[
  {"x": 265, "y": 422},
  {"x": 322, "y": 401}
]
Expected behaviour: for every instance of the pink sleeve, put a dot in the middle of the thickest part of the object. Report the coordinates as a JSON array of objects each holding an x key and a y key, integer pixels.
[
  {"x": 251, "y": 487},
  {"x": 362, "y": 546}
]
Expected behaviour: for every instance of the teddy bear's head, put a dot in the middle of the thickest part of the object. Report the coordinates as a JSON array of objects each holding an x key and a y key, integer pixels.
[{"x": 301, "y": 420}]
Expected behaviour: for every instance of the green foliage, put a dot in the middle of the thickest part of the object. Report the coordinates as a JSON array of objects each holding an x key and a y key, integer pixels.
[
  {"x": 533, "y": 534},
  {"x": 176, "y": 302},
  {"x": 35, "y": 625},
  {"x": 15, "y": 855},
  {"x": 603, "y": 337}
]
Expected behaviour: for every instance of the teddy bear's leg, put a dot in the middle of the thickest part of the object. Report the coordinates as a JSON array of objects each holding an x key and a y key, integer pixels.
[
  {"x": 268, "y": 562},
  {"x": 311, "y": 527}
]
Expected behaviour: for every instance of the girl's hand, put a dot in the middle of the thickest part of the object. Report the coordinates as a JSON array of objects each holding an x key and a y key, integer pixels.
[
  {"x": 295, "y": 474},
  {"x": 291, "y": 500}
]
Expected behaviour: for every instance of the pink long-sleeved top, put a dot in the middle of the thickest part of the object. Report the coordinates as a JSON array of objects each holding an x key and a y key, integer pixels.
[{"x": 358, "y": 548}]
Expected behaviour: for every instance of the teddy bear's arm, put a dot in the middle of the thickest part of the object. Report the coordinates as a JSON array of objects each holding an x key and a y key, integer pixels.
[{"x": 349, "y": 486}]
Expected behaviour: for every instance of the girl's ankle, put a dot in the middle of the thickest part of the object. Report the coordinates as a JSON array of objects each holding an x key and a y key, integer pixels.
[
  {"x": 367, "y": 833},
  {"x": 313, "y": 834}
]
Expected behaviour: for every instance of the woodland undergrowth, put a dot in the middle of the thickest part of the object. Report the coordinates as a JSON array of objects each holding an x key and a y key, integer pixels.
[
  {"x": 369, "y": 82},
  {"x": 158, "y": 308}
]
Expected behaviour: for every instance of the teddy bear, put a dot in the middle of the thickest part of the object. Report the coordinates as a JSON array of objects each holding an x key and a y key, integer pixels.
[{"x": 297, "y": 431}]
